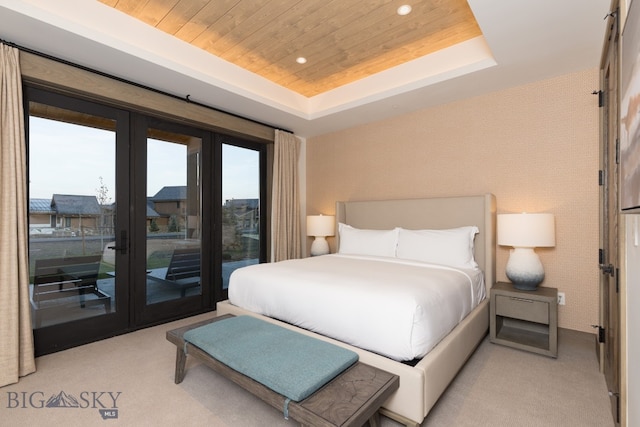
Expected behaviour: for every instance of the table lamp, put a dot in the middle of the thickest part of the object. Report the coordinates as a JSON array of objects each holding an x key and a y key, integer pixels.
[
  {"x": 320, "y": 226},
  {"x": 524, "y": 232}
]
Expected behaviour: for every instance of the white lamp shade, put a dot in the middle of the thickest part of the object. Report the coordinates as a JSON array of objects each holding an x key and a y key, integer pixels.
[
  {"x": 320, "y": 225},
  {"x": 526, "y": 230}
]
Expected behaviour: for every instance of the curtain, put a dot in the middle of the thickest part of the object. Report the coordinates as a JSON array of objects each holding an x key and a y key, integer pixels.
[
  {"x": 285, "y": 214},
  {"x": 16, "y": 337}
]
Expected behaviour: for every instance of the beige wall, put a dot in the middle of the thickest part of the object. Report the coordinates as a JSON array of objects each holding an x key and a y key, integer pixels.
[{"x": 535, "y": 147}]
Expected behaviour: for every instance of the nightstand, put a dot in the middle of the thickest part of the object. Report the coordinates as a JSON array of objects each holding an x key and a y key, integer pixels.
[{"x": 526, "y": 320}]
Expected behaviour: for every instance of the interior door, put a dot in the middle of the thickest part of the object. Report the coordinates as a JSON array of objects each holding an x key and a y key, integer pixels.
[
  {"x": 78, "y": 199},
  {"x": 609, "y": 223}
]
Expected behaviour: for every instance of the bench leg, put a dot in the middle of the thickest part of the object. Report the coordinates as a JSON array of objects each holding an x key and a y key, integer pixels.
[
  {"x": 181, "y": 358},
  {"x": 374, "y": 421}
]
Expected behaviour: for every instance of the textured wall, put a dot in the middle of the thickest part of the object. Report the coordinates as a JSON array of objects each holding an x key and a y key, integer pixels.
[{"x": 535, "y": 147}]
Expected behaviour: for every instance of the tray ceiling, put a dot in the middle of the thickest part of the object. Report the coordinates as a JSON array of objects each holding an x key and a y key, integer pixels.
[
  {"x": 521, "y": 42},
  {"x": 342, "y": 40}
]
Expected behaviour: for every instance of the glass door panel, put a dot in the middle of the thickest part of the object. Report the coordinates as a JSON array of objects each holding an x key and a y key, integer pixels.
[
  {"x": 174, "y": 216},
  {"x": 72, "y": 164},
  {"x": 240, "y": 209}
]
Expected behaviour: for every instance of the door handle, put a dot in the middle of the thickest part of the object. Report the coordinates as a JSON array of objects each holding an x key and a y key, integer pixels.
[{"x": 123, "y": 244}]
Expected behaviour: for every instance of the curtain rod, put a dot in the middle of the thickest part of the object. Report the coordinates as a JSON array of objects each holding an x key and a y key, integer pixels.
[{"x": 187, "y": 98}]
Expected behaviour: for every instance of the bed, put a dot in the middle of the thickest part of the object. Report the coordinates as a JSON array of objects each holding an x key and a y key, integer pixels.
[{"x": 425, "y": 377}]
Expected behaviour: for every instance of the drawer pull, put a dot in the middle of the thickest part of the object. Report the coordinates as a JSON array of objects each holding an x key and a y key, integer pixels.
[{"x": 521, "y": 299}]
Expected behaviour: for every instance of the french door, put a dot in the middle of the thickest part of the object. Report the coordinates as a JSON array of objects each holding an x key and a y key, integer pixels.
[
  {"x": 133, "y": 220},
  {"x": 78, "y": 169},
  {"x": 169, "y": 239}
]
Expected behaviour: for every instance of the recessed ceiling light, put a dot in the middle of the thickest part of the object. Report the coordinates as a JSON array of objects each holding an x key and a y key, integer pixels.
[
  {"x": 301, "y": 60},
  {"x": 405, "y": 9}
]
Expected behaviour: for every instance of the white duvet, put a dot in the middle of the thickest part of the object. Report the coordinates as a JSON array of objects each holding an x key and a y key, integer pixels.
[{"x": 397, "y": 308}]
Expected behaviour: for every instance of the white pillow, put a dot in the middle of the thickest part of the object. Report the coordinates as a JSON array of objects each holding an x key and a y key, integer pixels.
[
  {"x": 452, "y": 247},
  {"x": 357, "y": 241}
]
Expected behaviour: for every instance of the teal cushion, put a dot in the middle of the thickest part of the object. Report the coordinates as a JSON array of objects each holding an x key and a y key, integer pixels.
[{"x": 289, "y": 363}]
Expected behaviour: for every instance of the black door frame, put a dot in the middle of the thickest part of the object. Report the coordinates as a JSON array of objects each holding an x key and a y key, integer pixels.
[
  {"x": 131, "y": 181},
  {"x": 141, "y": 313},
  {"x": 58, "y": 337}
]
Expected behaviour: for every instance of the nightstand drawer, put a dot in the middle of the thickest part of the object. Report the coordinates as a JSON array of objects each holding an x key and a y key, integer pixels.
[{"x": 522, "y": 308}]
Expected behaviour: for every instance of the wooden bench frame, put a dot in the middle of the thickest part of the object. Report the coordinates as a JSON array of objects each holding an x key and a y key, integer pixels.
[
  {"x": 323, "y": 408},
  {"x": 61, "y": 279}
]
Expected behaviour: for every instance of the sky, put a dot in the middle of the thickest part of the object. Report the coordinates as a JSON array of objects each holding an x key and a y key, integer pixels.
[{"x": 71, "y": 159}]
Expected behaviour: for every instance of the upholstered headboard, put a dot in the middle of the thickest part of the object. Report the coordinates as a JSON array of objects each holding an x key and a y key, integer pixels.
[{"x": 433, "y": 213}]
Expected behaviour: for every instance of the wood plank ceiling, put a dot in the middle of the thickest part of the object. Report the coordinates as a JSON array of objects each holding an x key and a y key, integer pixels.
[{"x": 342, "y": 40}]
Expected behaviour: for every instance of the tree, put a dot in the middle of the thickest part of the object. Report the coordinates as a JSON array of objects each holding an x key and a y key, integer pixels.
[
  {"x": 103, "y": 199},
  {"x": 173, "y": 223},
  {"x": 103, "y": 193}
]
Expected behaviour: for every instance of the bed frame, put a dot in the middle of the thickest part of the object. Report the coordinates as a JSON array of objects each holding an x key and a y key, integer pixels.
[{"x": 421, "y": 385}]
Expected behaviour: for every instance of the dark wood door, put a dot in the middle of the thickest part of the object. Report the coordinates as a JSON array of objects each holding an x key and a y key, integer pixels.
[{"x": 609, "y": 221}]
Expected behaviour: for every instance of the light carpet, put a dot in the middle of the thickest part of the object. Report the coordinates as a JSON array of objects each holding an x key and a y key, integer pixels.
[{"x": 128, "y": 381}]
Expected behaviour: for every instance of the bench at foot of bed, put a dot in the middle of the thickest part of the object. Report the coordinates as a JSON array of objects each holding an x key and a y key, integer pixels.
[{"x": 352, "y": 398}]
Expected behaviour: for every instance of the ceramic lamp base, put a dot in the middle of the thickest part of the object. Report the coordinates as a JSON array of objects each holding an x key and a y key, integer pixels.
[
  {"x": 319, "y": 246},
  {"x": 524, "y": 269}
]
